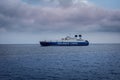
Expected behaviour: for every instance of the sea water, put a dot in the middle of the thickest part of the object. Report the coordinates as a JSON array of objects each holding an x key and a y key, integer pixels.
[{"x": 33, "y": 62}]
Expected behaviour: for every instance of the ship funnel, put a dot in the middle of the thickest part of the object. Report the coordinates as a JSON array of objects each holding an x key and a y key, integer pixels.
[
  {"x": 76, "y": 36},
  {"x": 80, "y": 35}
]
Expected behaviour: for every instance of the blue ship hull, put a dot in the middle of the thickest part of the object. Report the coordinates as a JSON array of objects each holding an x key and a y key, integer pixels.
[{"x": 44, "y": 43}]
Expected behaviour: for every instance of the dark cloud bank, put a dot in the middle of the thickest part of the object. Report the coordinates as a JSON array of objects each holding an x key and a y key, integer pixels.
[{"x": 66, "y": 15}]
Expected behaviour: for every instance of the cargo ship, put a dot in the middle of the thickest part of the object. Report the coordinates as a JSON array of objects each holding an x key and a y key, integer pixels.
[{"x": 67, "y": 41}]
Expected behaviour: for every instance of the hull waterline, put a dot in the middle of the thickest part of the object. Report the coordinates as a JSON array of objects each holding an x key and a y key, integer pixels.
[{"x": 86, "y": 43}]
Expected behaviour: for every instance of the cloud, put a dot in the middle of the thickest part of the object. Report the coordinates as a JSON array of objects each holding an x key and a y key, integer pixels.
[
  {"x": 62, "y": 3},
  {"x": 65, "y": 15}
]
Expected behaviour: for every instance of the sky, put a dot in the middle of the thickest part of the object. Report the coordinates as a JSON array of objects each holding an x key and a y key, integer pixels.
[{"x": 30, "y": 21}]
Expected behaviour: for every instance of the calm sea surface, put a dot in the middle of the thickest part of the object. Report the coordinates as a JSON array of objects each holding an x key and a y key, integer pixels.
[{"x": 32, "y": 62}]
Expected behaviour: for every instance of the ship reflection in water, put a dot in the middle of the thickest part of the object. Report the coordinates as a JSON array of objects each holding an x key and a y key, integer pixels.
[{"x": 67, "y": 41}]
